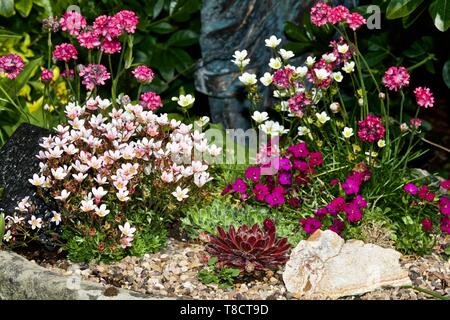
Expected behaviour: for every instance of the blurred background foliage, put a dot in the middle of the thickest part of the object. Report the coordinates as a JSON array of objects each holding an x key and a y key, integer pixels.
[
  {"x": 410, "y": 35},
  {"x": 166, "y": 40}
]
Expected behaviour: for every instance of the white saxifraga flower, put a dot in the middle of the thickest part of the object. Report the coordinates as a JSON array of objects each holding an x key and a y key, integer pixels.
[
  {"x": 63, "y": 196},
  {"x": 214, "y": 150},
  {"x": 203, "y": 121},
  {"x": 329, "y": 57},
  {"x": 240, "y": 58},
  {"x": 167, "y": 177},
  {"x": 381, "y": 143},
  {"x": 322, "y": 117},
  {"x": 266, "y": 80},
  {"x": 310, "y": 61},
  {"x": 286, "y": 55},
  {"x": 101, "y": 211},
  {"x": 248, "y": 79},
  {"x": 37, "y": 180},
  {"x": 99, "y": 193},
  {"x": 272, "y": 42},
  {"x": 122, "y": 195},
  {"x": 127, "y": 230},
  {"x": 349, "y": 67},
  {"x": 181, "y": 194},
  {"x": 79, "y": 177},
  {"x": 201, "y": 178},
  {"x": 301, "y": 71},
  {"x": 87, "y": 205},
  {"x": 24, "y": 204},
  {"x": 184, "y": 100},
  {"x": 334, "y": 107},
  {"x": 342, "y": 48},
  {"x": 303, "y": 131},
  {"x": 260, "y": 117},
  {"x": 322, "y": 74},
  {"x": 347, "y": 132},
  {"x": 275, "y": 63},
  {"x": 198, "y": 166},
  {"x": 60, "y": 173},
  {"x": 35, "y": 222},
  {"x": 125, "y": 242},
  {"x": 7, "y": 236},
  {"x": 273, "y": 128},
  {"x": 337, "y": 76},
  {"x": 56, "y": 218}
]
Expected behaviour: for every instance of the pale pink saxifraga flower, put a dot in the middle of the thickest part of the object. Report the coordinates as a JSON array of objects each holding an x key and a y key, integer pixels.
[
  {"x": 150, "y": 100},
  {"x": 88, "y": 40},
  {"x": 424, "y": 97},
  {"x": 11, "y": 65},
  {"x": 396, "y": 78},
  {"x": 355, "y": 21},
  {"x": 143, "y": 74},
  {"x": 319, "y": 14},
  {"x": 65, "y": 52},
  {"x": 72, "y": 22},
  {"x": 93, "y": 75}
]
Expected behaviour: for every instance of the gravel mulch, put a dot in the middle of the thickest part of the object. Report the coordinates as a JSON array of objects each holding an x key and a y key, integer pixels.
[{"x": 173, "y": 272}]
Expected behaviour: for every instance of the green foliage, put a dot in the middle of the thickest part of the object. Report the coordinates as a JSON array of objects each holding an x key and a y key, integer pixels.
[
  {"x": 224, "y": 277},
  {"x": 2, "y": 227}
]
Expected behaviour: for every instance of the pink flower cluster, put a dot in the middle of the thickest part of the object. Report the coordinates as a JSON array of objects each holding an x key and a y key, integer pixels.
[
  {"x": 342, "y": 208},
  {"x": 65, "y": 52},
  {"x": 371, "y": 129},
  {"x": 150, "y": 100},
  {"x": 46, "y": 75},
  {"x": 396, "y": 78},
  {"x": 423, "y": 196},
  {"x": 283, "y": 78},
  {"x": 93, "y": 75},
  {"x": 321, "y": 14},
  {"x": 298, "y": 102},
  {"x": 72, "y": 22},
  {"x": 143, "y": 74},
  {"x": 424, "y": 97},
  {"x": 11, "y": 65},
  {"x": 292, "y": 172}
]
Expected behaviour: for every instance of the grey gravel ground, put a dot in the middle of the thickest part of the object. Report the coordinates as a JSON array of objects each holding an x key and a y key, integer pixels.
[{"x": 173, "y": 272}]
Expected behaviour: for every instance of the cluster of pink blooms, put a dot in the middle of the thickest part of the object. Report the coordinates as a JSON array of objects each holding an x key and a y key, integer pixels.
[
  {"x": 422, "y": 195},
  {"x": 343, "y": 208},
  {"x": 291, "y": 172},
  {"x": 143, "y": 74},
  {"x": 424, "y": 97},
  {"x": 282, "y": 78},
  {"x": 46, "y": 75},
  {"x": 150, "y": 100},
  {"x": 101, "y": 158},
  {"x": 11, "y": 65},
  {"x": 65, "y": 52},
  {"x": 322, "y": 14},
  {"x": 396, "y": 78},
  {"x": 371, "y": 129},
  {"x": 93, "y": 75}
]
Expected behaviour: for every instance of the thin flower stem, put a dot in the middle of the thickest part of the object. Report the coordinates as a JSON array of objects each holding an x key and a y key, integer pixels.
[{"x": 410, "y": 139}]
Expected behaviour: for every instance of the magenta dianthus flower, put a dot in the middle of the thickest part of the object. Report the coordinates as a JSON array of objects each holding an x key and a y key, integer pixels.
[
  {"x": 310, "y": 224},
  {"x": 427, "y": 224},
  {"x": 355, "y": 21},
  {"x": 337, "y": 226},
  {"x": 353, "y": 212},
  {"x": 275, "y": 199},
  {"x": 11, "y": 65},
  {"x": 253, "y": 173},
  {"x": 444, "y": 206},
  {"x": 411, "y": 188},
  {"x": 261, "y": 191}
]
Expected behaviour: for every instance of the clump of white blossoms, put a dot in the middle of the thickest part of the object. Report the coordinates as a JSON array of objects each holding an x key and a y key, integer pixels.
[{"x": 101, "y": 161}]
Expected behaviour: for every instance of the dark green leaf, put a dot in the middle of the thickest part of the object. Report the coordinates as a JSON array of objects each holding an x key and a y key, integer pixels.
[
  {"x": 24, "y": 7},
  {"x": 158, "y": 8},
  {"x": 440, "y": 12},
  {"x": 401, "y": 8},
  {"x": 163, "y": 28},
  {"x": 46, "y": 5},
  {"x": 183, "y": 38},
  {"x": 7, "y": 8},
  {"x": 2, "y": 226},
  {"x": 409, "y": 20},
  {"x": 294, "y": 32},
  {"x": 446, "y": 73}
]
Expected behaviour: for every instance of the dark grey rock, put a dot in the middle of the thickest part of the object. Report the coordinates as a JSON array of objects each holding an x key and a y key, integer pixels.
[{"x": 18, "y": 163}]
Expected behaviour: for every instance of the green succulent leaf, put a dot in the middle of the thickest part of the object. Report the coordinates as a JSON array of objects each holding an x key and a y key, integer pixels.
[{"x": 401, "y": 8}]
